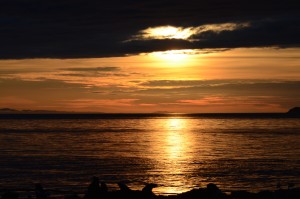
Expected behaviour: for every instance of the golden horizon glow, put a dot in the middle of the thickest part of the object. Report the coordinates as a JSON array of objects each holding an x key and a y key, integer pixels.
[
  {"x": 185, "y": 81},
  {"x": 174, "y": 57}
]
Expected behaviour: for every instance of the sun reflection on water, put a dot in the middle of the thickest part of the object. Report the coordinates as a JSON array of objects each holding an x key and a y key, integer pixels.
[
  {"x": 175, "y": 150},
  {"x": 175, "y": 143},
  {"x": 176, "y": 123}
]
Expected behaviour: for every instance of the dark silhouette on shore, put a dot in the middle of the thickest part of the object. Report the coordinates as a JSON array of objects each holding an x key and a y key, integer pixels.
[
  {"x": 93, "y": 190},
  {"x": 97, "y": 190}
]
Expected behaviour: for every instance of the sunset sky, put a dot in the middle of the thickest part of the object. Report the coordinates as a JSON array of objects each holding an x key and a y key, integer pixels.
[{"x": 134, "y": 56}]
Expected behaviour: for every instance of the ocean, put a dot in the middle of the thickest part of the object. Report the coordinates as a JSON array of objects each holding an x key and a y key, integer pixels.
[{"x": 177, "y": 152}]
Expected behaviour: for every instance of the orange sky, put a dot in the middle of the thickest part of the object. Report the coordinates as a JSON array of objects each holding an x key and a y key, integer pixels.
[{"x": 237, "y": 80}]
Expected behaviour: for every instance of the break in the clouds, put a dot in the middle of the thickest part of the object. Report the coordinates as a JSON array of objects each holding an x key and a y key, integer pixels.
[
  {"x": 171, "y": 32},
  {"x": 80, "y": 29}
]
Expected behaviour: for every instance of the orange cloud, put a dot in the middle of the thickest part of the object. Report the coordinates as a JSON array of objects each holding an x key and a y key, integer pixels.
[{"x": 85, "y": 103}]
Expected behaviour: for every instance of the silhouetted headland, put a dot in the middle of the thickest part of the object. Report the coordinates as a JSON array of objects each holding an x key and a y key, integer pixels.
[
  {"x": 99, "y": 190},
  {"x": 294, "y": 111}
]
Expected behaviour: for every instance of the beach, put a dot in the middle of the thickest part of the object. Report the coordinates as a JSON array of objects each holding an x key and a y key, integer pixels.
[{"x": 97, "y": 190}]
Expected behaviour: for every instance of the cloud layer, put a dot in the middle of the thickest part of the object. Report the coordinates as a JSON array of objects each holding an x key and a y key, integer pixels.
[
  {"x": 152, "y": 96},
  {"x": 80, "y": 29}
]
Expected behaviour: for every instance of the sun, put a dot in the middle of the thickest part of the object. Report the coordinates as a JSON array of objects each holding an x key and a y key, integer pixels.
[
  {"x": 167, "y": 32},
  {"x": 169, "y": 57}
]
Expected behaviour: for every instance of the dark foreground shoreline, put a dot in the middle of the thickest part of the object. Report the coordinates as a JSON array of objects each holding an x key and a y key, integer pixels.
[{"x": 97, "y": 190}]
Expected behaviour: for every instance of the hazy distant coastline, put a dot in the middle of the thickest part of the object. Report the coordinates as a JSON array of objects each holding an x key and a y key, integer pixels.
[
  {"x": 295, "y": 110},
  {"x": 27, "y": 111}
]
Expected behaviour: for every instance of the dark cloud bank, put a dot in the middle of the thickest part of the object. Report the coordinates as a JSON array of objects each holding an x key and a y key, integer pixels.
[{"x": 83, "y": 29}]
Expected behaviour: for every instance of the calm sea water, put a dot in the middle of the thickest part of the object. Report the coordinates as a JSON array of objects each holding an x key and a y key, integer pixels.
[{"x": 176, "y": 152}]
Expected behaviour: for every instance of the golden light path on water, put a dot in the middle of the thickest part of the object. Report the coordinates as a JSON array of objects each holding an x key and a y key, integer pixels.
[
  {"x": 174, "y": 138},
  {"x": 177, "y": 152},
  {"x": 175, "y": 144}
]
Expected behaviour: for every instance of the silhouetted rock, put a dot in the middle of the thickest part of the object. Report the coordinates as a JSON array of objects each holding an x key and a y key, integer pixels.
[
  {"x": 264, "y": 195},
  {"x": 72, "y": 196},
  {"x": 291, "y": 185},
  {"x": 93, "y": 191},
  {"x": 210, "y": 192},
  {"x": 126, "y": 192},
  {"x": 123, "y": 187},
  {"x": 147, "y": 191},
  {"x": 148, "y": 188},
  {"x": 213, "y": 192},
  {"x": 194, "y": 193},
  {"x": 280, "y": 193},
  {"x": 241, "y": 194},
  {"x": 103, "y": 187},
  {"x": 293, "y": 193}
]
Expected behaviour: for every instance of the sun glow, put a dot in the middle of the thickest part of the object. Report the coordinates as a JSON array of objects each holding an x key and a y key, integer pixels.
[
  {"x": 176, "y": 124},
  {"x": 173, "y": 57}
]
